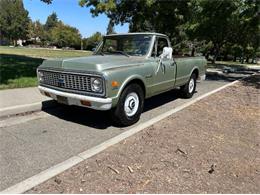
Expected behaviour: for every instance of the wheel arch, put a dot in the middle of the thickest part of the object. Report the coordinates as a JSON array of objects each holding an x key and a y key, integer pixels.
[
  {"x": 196, "y": 71},
  {"x": 133, "y": 79}
]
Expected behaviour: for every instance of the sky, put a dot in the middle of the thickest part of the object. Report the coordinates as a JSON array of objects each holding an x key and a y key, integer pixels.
[{"x": 72, "y": 14}]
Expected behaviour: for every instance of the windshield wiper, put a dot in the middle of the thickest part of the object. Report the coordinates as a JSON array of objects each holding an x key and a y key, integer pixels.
[{"x": 122, "y": 52}]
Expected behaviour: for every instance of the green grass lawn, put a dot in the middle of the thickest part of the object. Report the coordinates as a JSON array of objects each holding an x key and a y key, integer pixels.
[
  {"x": 18, "y": 65},
  {"x": 42, "y": 53}
]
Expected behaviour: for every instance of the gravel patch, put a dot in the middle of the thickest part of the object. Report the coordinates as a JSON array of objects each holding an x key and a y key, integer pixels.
[{"x": 209, "y": 147}]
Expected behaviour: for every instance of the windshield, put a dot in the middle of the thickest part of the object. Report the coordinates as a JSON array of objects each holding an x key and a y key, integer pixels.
[{"x": 129, "y": 45}]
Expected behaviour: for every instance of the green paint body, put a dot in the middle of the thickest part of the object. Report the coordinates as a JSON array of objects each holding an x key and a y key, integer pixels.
[{"x": 172, "y": 73}]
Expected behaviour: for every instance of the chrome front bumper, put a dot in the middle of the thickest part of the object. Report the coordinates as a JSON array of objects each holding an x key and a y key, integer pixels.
[{"x": 95, "y": 103}]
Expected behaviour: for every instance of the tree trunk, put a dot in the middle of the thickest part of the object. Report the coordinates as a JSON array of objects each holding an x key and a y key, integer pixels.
[
  {"x": 207, "y": 56},
  {"x": 234, "y": 58},
  {"x": 242, "y": 59},
  {"x": 216, "y": 48},
  {"x": 193, "y": 51},
  {"x": 247, "y": 59},
  {"x": 81, "y": 45},
  {"x": 253, "y": 58},
  {"x": 14, "y": 42},
  {"x": 225, "y": 57}
]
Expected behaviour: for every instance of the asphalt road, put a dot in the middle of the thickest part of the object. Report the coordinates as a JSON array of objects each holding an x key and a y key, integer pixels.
[{"x": 33, "y": 143}]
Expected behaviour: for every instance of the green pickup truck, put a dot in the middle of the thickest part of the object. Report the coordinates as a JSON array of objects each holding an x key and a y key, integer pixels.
[{"x": 124, "y": 70}]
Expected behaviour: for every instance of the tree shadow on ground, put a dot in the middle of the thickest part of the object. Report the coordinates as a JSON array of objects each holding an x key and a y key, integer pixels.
[
  {"x": 238, "y": 67},
  {"x": 227, "y": 77},
  {"x": 253, "y": 81},
  {"x": 17, "y": 66}
]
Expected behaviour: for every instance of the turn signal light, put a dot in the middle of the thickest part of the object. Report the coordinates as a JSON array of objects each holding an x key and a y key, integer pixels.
[
  {"x": 115, "y": 84},
  {"x": 85, "y": 102}
]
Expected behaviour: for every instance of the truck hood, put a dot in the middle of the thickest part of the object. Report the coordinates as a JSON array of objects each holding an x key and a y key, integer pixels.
[{"x": 95, "y": 63}]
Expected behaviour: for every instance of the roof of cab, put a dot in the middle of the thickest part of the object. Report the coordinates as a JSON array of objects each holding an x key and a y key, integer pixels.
[{"x": 138, "y": 33}]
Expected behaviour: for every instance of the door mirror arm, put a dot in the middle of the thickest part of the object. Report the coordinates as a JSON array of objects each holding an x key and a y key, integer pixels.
[
  {"x": 174, "y": 62},
  {"x": 159, "y": 65}
]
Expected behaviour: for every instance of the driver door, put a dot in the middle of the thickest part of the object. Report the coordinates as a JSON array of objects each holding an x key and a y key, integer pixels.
[{"x": 164, "y": 69}]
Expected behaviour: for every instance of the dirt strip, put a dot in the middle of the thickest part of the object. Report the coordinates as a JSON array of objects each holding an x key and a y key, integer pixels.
[{"x": 212, "y": 146}]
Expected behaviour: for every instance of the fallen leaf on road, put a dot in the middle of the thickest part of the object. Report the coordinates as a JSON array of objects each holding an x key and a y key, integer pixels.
[
  {"x": 180, "y": 151},
  {"x": 113, "y": 169},
  {"x": 130, "y": 169},
  {"x": 57, "y": 180},
  {"x": 146, "y": 182},
  {"x": 83, "y": 181},
  {"x": 186, "y": 170},
  {"x": 212, "y": 168}
]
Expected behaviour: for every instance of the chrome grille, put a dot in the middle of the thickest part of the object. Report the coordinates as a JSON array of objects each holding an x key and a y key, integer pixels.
[{"x": 67, "y": 80}]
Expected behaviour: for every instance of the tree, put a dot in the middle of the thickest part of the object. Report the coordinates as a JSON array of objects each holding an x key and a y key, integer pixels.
[
  {"x": 14, "y": 20},
  {"x": 221, "y": 27},
  {"x": 47, "y": 1},
  {"x": 146, "y": 15},
  {"x": 36, "y": 30},
  {"x": 245, "y": 29},
  {"x": 91, "y": 42},
  {"x": 65, "y": 36},
  {"x": 212, "y": 22},
  {"x": 110, "y": 28},
  {"x": 51, "y": 21}
]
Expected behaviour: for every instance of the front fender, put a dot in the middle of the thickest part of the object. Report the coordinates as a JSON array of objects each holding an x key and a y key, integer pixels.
[
  {"x": 129, "y": 80},
  {"x": 124, "y": 83}
]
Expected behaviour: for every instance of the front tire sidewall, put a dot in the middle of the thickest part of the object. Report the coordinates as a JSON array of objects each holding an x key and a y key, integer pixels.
[{"x": 120, "y": 117}]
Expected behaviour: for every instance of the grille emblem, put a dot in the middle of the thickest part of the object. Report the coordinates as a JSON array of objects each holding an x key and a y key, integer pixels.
[{"x": 61, "y": 82}]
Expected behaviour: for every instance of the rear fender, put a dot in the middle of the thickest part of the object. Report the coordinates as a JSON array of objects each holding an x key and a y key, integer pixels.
[{"x": 195, "y": 68}]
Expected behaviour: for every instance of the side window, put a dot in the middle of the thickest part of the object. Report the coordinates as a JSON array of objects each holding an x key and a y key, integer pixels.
[{"x": 161, "y": 43}]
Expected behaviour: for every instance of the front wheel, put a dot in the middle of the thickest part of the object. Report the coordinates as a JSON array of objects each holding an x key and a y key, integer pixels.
[
  {"x": 189, "y": 88},
  {"x": 130, "y": 106}
]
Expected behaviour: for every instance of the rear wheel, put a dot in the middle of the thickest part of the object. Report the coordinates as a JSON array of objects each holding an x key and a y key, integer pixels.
[
  {"x": 130, "y": 106},
  {"x": 189, "y": 88}
]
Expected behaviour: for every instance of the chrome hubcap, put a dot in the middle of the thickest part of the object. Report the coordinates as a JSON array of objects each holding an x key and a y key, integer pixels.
[
  {"x": 131, "y": 104},
  {"x": 191, "y": 85}
]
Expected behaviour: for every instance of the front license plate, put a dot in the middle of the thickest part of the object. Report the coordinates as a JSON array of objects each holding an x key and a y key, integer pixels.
[{"x": 61, "y": 99}]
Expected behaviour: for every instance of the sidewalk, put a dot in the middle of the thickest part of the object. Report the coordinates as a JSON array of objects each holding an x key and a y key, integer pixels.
[
  {"x": 253, "y": 67},
  {"x": 210, "y": 147},
  {"x": 16, "y": 101},
  {"x": 226, "y": 67}
]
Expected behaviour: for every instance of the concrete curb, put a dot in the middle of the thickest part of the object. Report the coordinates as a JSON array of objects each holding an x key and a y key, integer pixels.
[
  {"x": 26, "y": 108},
  {"x": 214, "y": 72}
]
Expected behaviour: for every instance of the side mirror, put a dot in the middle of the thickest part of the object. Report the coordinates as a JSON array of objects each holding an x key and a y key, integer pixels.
[{"x": 167, "y": 53}]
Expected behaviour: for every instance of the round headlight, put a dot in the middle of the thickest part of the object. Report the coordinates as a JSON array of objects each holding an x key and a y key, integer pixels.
[{"x": 96, "y": 85}]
